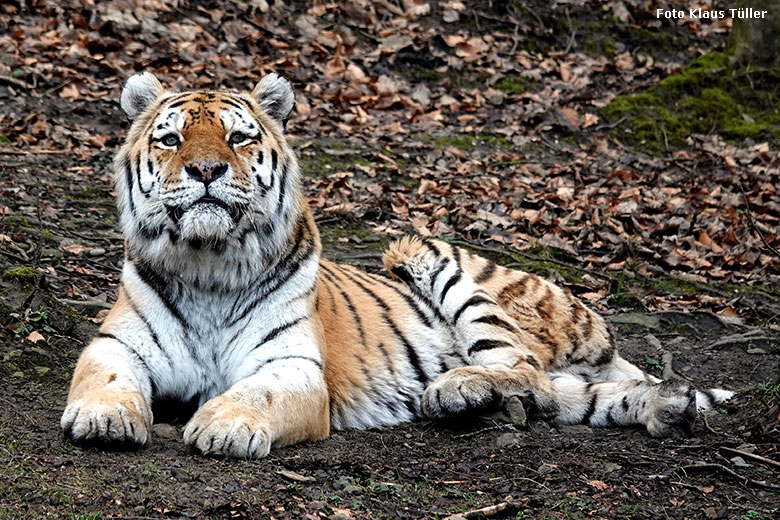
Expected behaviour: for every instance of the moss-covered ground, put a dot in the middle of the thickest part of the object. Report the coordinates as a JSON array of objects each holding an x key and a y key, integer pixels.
[{"x": 709, "y": 96}]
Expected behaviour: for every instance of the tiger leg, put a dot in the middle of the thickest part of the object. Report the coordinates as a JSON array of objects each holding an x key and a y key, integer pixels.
[
  {"x": 502, "y": 359},
  {"x": 664, "y": 408},
  {"x": 284, "y": 402},
  {"x": 619, "y": 369},
  {"x": 109, "y": 395}
]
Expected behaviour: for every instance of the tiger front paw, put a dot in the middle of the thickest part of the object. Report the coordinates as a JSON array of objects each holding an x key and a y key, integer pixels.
[
  {"x": 226, "y": 426},
  {"x": 458, "y": 391},
  {"x": 110, "y": 417}
]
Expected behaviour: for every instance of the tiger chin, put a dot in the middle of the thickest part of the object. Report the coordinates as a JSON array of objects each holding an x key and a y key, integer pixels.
[{"x": 225, "y": 301}]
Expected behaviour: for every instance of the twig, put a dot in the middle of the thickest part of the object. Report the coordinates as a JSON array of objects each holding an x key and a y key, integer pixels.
[
  {"x": 749, "y": 216},
  {"x": 13, "y": 81},
  {"x": 503, "y": 508},
  {"x": 751, "y": 456},
  {"x": 723, "y": 469},
  {"x": 573, "y": 32},
  {"x": 610, "y": 126},
  {"x": 707, "y": 424},
  {"x": 481, "y": 430}
]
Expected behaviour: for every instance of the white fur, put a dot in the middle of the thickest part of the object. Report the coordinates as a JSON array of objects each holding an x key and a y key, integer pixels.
[{"x": 140, "y": 91}]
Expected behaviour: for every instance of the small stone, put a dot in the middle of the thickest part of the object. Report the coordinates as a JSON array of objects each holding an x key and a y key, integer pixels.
[
  {"x": 507, "y": 440},
  {"x": 654, "y": 342},
  {"x": 339, "y": 516},
  {"x": 98, "y": 251},
  {"x": 740, "y": 462},
  {"x": 756, "y": 350},
  {"x": 515, "y": 411},
  {"x": 545, "y": 469},
  {"x": 165, "y": 431},
  {"x": 180, "y": 475},
  {"x": 636, "y": 318},
  {"x": 611, "y": 467}
]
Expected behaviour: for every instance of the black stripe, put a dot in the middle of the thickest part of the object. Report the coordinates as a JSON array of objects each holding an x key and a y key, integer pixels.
[
  {"x": 486, "y": 273},
  {"x": 330, "y": 296},
  {"x": 177, "y": 104},
  {"x": 611, "y": 420},
  {"x": 531, "y": 360},
  {"x": 161, "y": 286},
  {"x": 148, "y": 325},
  {"x": 487, "y": 344},
  {"x": 606, "y": 356},
  {"x": 495, "y": 320},
  {"x": 414, "y": 359},
  {"x": 274, "y": 160},
  {"x": 432, "y": 247},
  {"x": 455, "y": 277},
  {"x": 474, "y": 300},
  {"x": 351, "y": 307},
  {"x": 232, "y": 103},
  {"x": 278, "y": 330},
  {"x": 283, "y": 358},
  {"x": 302, "y": 249},
  {"x": 591, "y": 409},
  {"x": 452, "y": 281},
  {"x": 407, "y": 298},
  {"x": 436, "y": 272},
  {"x": 282, "y": 188},
  {"x": 624, "y": 403},
  {"x": 129, "y": 179},
  {"x": 710, "y": 397}
]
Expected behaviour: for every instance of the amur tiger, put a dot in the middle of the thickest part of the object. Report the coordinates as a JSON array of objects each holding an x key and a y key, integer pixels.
[{"x": 225, "y": 299}]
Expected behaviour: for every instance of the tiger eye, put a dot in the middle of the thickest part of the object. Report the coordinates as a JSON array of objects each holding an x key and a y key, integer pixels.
[
  {"x": 170, "y": 140},
  {"x": 238, "y": 138}
]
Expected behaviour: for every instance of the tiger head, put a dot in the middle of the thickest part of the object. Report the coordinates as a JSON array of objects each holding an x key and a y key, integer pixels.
[{"x": 205, "y": 170}]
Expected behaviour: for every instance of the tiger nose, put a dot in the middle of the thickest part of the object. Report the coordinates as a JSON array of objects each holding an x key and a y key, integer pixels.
[{"x": 206, "y": 172}]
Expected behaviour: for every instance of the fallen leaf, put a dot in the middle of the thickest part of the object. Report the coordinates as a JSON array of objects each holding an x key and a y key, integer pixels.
[{"x": 35, "y": 337}]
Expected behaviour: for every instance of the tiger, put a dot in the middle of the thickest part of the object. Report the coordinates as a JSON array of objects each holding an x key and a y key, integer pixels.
[{"x": 226, "y": 301}]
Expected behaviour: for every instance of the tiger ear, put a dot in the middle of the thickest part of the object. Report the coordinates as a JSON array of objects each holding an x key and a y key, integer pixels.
[
  {"x": 140, "y": 91},
  {"x": 275, "y": 95}
]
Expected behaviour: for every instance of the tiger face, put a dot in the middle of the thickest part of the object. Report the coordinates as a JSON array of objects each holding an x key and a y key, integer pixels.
[{"x": 208, "y": 165}]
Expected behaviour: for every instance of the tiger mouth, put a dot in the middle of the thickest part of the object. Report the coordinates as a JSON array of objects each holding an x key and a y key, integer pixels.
[{"x": 176, "y": 212}]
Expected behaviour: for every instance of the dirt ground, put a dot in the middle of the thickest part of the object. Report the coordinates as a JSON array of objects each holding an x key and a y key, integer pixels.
[{"x": 60, "y": 272}]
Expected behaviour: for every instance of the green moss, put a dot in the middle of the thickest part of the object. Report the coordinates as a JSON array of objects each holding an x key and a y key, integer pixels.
[
  {"x": 595, "y": 48},
  {"x": 316, "y": 161},
  {"x": 513, "y": 85},
  {"x": 20, "y": 273},
  {"x": 707, "y": 97},
  {"x": 431, "y": 75}
]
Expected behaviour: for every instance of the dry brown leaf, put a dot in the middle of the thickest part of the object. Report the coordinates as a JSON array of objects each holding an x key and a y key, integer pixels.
[{"x": 35, "y": 337}]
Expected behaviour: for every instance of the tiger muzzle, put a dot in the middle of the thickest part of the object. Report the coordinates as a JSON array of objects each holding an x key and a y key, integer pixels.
[{"x": 206, "y": 172}]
